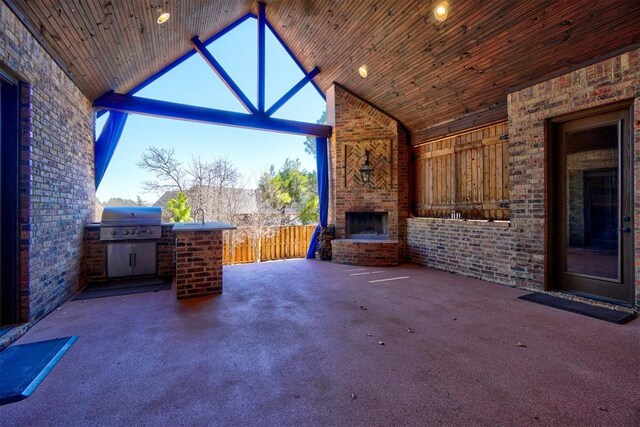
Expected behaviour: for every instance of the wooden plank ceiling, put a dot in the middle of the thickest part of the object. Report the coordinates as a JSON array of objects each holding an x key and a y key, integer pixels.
[{"x": 435, "y": 77}]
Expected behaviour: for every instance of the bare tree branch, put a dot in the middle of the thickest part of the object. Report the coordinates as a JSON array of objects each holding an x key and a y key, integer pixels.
[{"x": 168, "y": 171}]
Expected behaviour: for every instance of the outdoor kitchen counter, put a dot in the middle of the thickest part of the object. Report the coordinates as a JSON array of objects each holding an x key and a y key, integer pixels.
[
  {"x": 202, "y": 226},
  {"x": 199, "y": 255}
]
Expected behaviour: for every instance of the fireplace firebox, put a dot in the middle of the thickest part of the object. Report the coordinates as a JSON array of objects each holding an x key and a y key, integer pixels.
[{"x": 367, "y": 225}]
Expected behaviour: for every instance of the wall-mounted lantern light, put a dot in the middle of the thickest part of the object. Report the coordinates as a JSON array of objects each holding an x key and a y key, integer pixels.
[{"x": 366, "y": 169}]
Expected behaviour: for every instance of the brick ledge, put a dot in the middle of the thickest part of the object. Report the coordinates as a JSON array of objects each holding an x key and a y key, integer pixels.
[
  {"x": 464, "y": 222},
  {"x": 364, "y": 252}
]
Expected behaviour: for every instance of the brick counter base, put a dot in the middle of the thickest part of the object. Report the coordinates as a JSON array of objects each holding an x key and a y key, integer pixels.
[
  {"x": 198, "y": 263},
  {"x": 471, "y": 248},
  {"x": 371, "y": 253},
  {"x": 94, "y": 256}
]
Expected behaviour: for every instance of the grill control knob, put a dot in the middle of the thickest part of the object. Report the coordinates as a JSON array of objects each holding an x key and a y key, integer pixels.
[
  {"x": 126, "y": 232},
  {"x": 114, "y": 232}
]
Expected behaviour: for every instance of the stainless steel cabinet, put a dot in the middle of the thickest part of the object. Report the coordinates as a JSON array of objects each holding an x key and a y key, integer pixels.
[{"x": 131, "y": 259}]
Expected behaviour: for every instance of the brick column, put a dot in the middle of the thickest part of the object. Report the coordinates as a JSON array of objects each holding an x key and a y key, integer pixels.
[{"x": 198, "y": 263}]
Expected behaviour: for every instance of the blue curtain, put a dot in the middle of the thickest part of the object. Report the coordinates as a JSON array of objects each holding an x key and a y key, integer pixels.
[
  {"x": 322, "y": 161},
  {"x": 107, "y": 142}
]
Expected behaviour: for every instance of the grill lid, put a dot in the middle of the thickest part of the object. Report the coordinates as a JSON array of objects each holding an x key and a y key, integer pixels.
[{"x": 131, "y": 215}]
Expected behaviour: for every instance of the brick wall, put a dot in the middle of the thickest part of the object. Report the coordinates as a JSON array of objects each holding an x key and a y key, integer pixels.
[
  {"x": 471, "y": 248},
  {"x": 370, "y": 253},
  {"x": 515, "y": 255},
  {"x": 166, "y": 249},
  {"x": 57, "y": 176},
  {"x": 94, "y": 255},
  {"x": 198, "y": 263},
  {"x": 605, "y": 82},
  {"x": 359, "y": 126}
]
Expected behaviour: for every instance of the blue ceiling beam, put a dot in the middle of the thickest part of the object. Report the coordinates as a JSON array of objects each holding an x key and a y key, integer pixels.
[
  {"x": 295, "y": 89},
  {"x": 262, "y": 20},
  {"x": 170, "y": 110},
  {"x": 183, "y": 58},
  {"x": 293, "y": 57},
  {"x": 224, "y": 76}
]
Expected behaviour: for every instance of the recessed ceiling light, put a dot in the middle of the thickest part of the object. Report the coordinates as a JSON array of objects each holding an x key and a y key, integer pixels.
[
  {"x": 363, "y": 70},
  {"x": 441, "y": 11},
  {"x": 163, "y": 17}
]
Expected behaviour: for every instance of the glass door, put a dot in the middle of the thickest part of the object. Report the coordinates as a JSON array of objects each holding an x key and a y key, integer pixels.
[{"x": 592, "y": 214}]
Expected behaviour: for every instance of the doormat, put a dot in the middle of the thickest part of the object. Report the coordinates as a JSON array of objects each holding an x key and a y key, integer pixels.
[
  {"x": 111, "y": 289},
  {"x": 24, "y": 366},
  {"x": 601, "y": 313}
]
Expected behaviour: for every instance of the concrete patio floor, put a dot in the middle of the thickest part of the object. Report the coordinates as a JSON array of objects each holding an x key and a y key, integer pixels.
[{"x": 288, "y": 343}]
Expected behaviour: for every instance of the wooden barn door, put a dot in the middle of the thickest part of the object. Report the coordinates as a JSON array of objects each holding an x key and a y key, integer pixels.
[{"x": 592, "y": 215}]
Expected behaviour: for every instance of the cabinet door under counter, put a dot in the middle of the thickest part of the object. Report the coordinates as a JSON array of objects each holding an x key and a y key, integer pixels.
[{"x": 131, "y": 259}]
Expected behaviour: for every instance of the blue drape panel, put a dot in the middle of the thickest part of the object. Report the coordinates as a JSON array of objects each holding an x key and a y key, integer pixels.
[
  {"x": 322, "y": 161},
  {"x": 107, "y": 142}
]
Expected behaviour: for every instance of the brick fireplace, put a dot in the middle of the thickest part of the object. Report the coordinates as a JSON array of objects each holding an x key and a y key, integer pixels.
[
  {"x": 370, "y": 218},
  {"x": 367, "y": 225}
]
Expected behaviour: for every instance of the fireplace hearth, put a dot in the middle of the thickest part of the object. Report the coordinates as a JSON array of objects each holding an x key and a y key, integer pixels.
[{"x": 367, "y": 225}]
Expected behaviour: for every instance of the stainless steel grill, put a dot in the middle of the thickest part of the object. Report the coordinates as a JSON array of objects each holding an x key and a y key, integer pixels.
[
  {"x": 119, "y": 226},
  {"x": 131, "y": 223}
]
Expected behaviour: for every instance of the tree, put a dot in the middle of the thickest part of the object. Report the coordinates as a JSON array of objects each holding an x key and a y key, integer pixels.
[
  {"x": 257, "y": 226},
  {"x": 214, "y": 186},
  {"x": 140, "y": 202},
  {"x": 310, "y": 143},
  {"x": 169, "y": 173},
  {"x": 180, "y": 210},
  {"x": 291, "y": 188},
  {"x": 119, "y": 201}
]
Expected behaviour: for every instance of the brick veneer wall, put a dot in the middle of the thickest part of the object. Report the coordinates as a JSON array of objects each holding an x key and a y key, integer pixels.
[
  {"x": 166, "y": 251},
  {"x": 605, "y": 82},
  {"x": 198, "y": 263},
  {"x": 370, "y": 253},
  {"x": 515, "y": 255},
  {"x": 357, "y": 125},
  {"x": 471, "y": 248},
  {"x": 57, "y": 177},
  {"x": 94, "y": 255}
]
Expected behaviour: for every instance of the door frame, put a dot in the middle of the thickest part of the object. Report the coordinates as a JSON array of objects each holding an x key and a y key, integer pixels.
[
  {"x": 10, "y": 199},
  {"x": 552, "y": 140}
]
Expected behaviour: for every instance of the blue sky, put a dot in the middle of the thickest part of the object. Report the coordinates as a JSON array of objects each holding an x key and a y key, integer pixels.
[{"x": 193, "y": 82}]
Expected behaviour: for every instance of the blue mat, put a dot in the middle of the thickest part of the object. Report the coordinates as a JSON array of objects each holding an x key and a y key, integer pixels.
[{"x": 23, "y": 367}]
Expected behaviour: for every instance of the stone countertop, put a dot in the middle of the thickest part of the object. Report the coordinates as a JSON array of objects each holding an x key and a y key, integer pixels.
[
  {"x": 97, "y": 224},
  {"x": 199, "y": 226}
]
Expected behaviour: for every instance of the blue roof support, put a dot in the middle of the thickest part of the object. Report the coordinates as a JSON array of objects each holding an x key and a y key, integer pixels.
[
  {"x": 170, "y": 110},
  {"x": 258, "y": 119},
  {"x": 224, "y": 76},
  {"x": 295, "y": 89},
  {"x": 107, "y": 142},
  {"x": 183, "y": 58},
  {"x": 293, "y": 57},
  {"x": 322, "y": 162},
  {"x": 262, "y": 20}
]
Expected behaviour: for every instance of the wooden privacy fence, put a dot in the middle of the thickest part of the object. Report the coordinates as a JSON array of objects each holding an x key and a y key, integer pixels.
[
  {"x": 281, "y": 242},
  {"x": 467, "y": 173}
]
